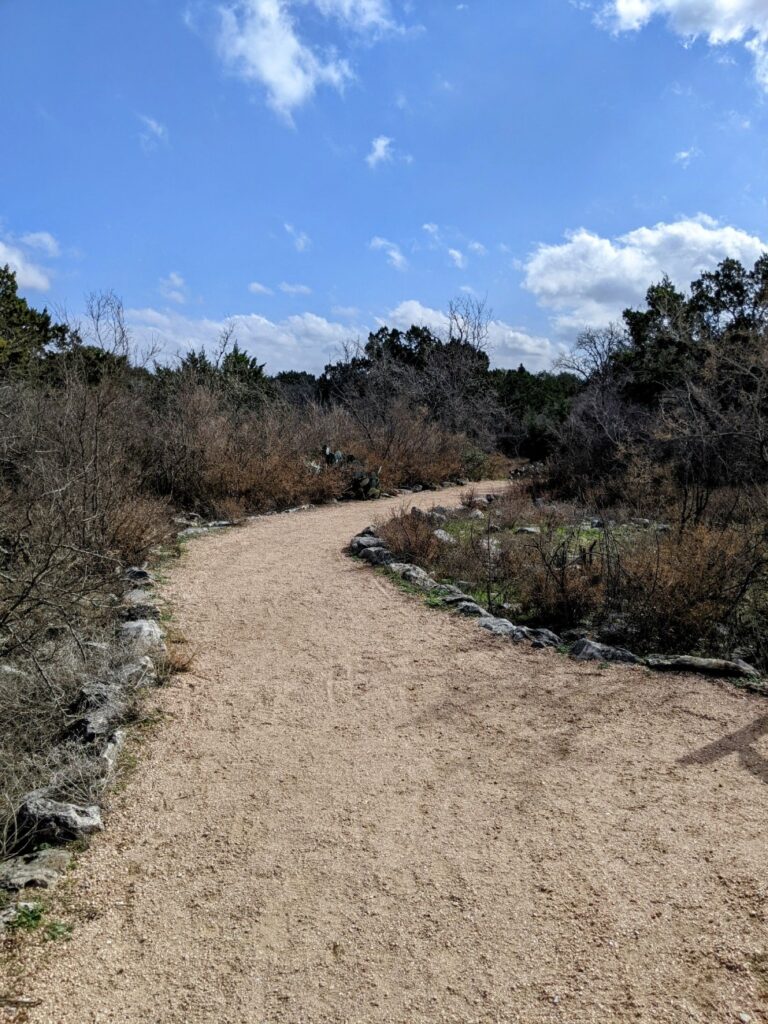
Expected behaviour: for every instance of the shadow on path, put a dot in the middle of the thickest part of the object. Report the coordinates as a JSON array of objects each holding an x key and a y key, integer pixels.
[{"x": 741, "y": 743}]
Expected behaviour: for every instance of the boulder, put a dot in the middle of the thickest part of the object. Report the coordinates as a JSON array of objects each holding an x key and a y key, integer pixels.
[
  {"x": 43, "y": 820},
  {"x": 137, "y": 596},
  {"x": 704, "y": 666},
  {"x": 377, "y": 555},
  {"x": 38, "y": 870},
  {"x": 454, "y": 597},
  {"x": 531, "y": 531},
  {"x": 591, "y": 650},
  {"x": 476, "y": 514},
  {"x": 361, "y": 542},
  {"x": 544, "y": 637},
  {"x": 470, "y": 608},
  {"x": 416, "y": 576},
  {"x": 444, "y": 537},
  {"x": 144, "y": 636},
  {"x": 499, "y": 627}
]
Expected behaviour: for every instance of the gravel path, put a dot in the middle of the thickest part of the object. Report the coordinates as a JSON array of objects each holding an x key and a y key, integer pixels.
[{"x": 359, "y": 809}]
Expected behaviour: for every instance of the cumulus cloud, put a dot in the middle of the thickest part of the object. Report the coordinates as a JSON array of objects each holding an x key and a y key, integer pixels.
[
  {"x": 381, "y": 151},
  {"x": 302, "y": 342},
  {"x": 508, "y": 346},
  {"x": 174, "y": 287},
  {"x": 393, "y": 252},
  {"x": 22, "y": 255},
  {"x": 719, "y": 21},
  {"x": 590, "y": 280},
  {"x": 262, "y": 41}
]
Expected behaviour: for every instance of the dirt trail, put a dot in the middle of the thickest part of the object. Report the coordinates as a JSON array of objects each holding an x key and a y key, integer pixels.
[{"x": 360, "y": 810}]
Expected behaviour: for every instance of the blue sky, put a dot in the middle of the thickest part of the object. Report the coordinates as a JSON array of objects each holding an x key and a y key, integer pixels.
[{"x": 313, "y": 168}]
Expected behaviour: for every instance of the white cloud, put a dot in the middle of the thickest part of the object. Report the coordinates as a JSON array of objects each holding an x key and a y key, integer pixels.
[
  {"x": 28, "y": 274},
  {"x": 302, "y": 342},
  {"x": 590, "y": 280},
  {"x": 685, "y": 156},
  {"x": 508, "y": 346},
  {"x": 154, "y": 133},
  {"x": 346, "y": 312},
  {"x": 261, "y": 41},
  {"x": 295, "y": 289},
  {"x": 393, "y": 252},
  {"x": 457, "y": 258},
  {"x": 173, "y": 287},
  {"x": 42, "y": 240},
  {"x": 22, "y": 255},
  {"x": 301, "y": 240},
  {"x": 720, "y": 21},
  {"x": 256, "y": 288},
  {"x": 477, "y": 248},
  {"x": 381, "y": 151}
]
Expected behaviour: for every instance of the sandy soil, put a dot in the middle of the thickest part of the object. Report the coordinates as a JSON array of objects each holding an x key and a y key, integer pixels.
[{"x": 359, "y": 809}]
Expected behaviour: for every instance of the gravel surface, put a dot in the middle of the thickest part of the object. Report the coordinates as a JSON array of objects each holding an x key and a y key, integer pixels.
[{"x": 358, "y": 809}]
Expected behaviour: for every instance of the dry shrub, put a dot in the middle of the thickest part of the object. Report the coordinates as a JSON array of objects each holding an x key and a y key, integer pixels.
[
  {"x": 410, "y": 537},
  {"x": 691, "y": 588}
]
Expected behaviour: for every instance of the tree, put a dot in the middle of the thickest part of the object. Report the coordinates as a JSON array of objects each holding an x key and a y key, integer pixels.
[{"x": 25, "y": 333}]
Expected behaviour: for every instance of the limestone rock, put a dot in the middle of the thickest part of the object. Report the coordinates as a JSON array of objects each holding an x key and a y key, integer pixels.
[
  {"x": 44, "y": 820},
  {"x": 705, "y": 666},
  {"x": 591, "y": 650},
  {"x": 38, "y": 870}
]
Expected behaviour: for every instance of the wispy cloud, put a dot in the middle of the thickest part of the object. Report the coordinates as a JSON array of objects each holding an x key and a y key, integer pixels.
[
  {"x": 257, "y": 288},
  {"x": 173, "y": 287},
  {"x": 393, "y": 252},
  {"x": 42, "y": 241},
  {"x": 685, "y": 156},
  {"x": 301, "y": 240},
  {"x": 295, "y": 289},
  {"x": 153, "y": 133},
  {"x": 457, "y": 258}
]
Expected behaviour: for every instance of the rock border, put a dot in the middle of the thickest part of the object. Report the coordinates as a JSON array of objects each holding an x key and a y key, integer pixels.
[
  {"x": 369, "y": 547},
  {"x": 100, "y": 715}
]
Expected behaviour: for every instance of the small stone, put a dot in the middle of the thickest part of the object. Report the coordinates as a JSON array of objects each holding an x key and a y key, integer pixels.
[
  {"x": 532, "y": 531},
  {"x": 476, "y": 514},
  {"x": 745, "y": 1018},
  {"x": 444, "y": 537}
]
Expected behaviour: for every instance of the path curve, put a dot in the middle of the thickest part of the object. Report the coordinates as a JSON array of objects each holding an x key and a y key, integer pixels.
[{"x": 359, "y": 809}]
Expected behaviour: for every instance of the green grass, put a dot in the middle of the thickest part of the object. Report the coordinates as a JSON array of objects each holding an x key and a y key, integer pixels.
[{"x": 28, "y": 919}]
